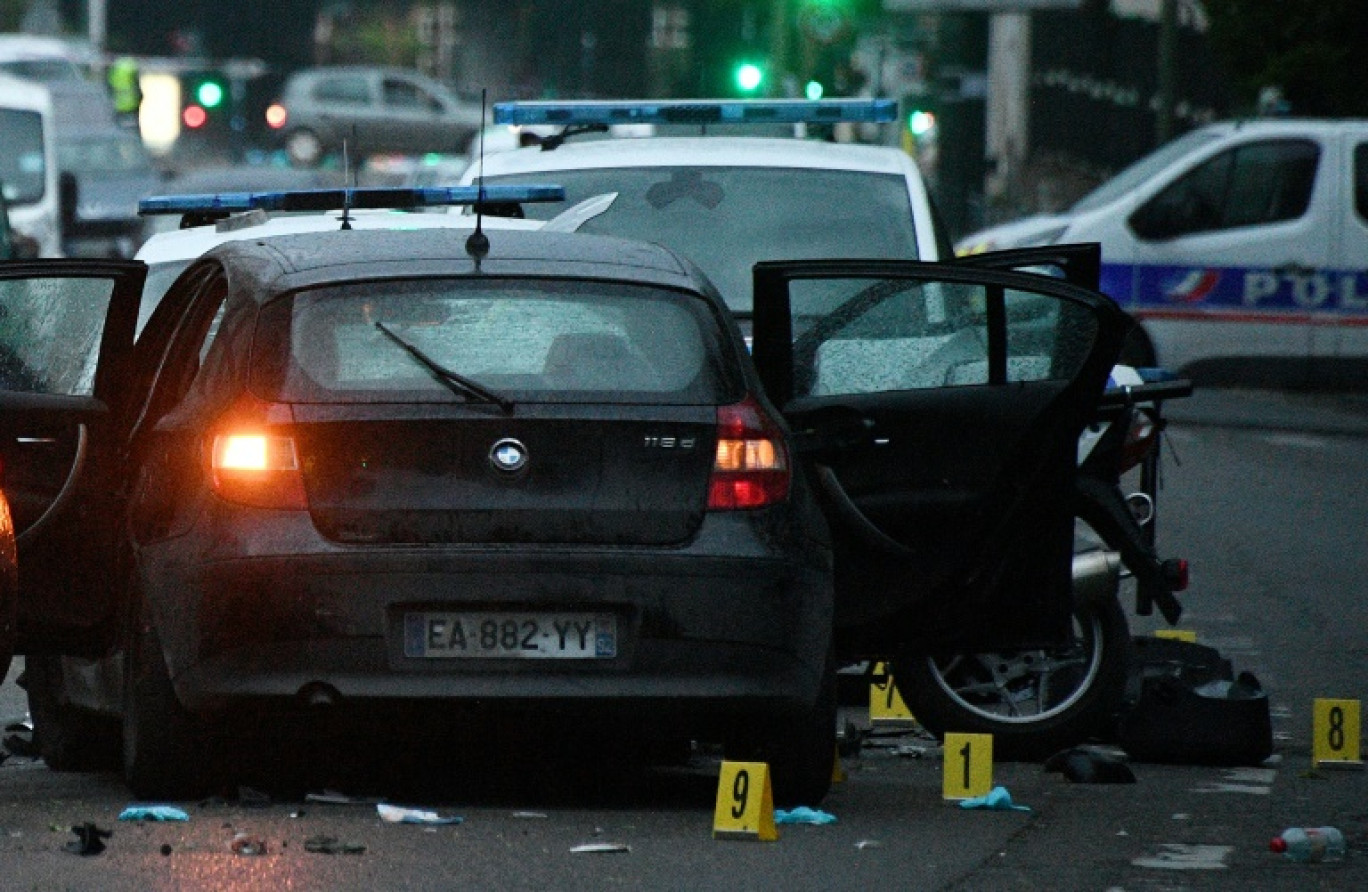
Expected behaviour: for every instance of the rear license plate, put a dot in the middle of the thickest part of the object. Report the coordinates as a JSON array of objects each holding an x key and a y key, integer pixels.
[{"x": 553, "y": 636}]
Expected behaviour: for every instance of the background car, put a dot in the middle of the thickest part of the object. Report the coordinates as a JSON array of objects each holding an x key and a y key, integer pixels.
[
  {"x": 105, "y": 171},
  {"x": 374, "y": 110}
]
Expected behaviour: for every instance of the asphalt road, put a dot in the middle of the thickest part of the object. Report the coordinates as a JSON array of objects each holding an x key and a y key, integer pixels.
[{"x": 1266, "y": 499}]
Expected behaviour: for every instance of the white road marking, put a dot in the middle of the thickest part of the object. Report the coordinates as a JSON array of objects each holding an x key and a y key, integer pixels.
[
  {"x": 1250, "y": 781},
  {"x": 1297, "y": 441},
  {"x": 1179, "y": 856}
]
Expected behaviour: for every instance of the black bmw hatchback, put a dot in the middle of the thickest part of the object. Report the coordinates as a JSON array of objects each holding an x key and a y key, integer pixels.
[
  {"x": 351, "y": 469},
  {"x": 376, "y": 469}
]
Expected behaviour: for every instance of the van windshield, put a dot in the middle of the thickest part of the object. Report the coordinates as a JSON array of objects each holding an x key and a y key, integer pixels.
[
  {"x": 22, "y": 165},
  {"x": 1143, "y": 169}
]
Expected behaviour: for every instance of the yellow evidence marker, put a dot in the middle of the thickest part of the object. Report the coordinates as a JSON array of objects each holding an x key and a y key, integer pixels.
[
  {"x": 745, "y": 803},
  {"x": 1335, "y": 732},
  {"x": 885, "y": 702},
  {"x": 968, "y": 765},
  {"x": 1188, "y": 635}
]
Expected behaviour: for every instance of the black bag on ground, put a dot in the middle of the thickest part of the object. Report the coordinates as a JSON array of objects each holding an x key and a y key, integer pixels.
[{"x": 1184, "y": 706}]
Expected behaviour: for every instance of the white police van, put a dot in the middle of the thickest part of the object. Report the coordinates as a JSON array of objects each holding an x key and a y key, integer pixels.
[
  {"x": 28, "y": 164},
  {"x": 1239, "y": 241}
]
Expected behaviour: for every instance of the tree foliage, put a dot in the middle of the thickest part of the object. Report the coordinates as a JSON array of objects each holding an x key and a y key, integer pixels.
[{"x": 1311, "y": 49}]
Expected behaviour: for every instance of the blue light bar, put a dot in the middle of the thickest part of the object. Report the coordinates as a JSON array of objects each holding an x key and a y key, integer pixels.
[
  {"x": 699, "y": 111},
  {"x": 385, "y": 198}
]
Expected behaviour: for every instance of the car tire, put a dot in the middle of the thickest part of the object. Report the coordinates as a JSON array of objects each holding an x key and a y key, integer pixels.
[
  {"x": 68, "y": 738},
  {"x": 304, "y": 148},
  {"x": 984, "y": 693},
  {"x": 164, "y": 753},
  {"x": 799, "y": 749}
]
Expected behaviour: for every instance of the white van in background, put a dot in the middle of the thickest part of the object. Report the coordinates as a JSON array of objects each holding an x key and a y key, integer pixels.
[
  {"x": 1240, "y": 245},
  {"x": 28, "y": 163}
]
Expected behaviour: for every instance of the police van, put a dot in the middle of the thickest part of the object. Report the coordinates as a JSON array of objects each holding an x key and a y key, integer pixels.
[
  {"x": 1237, "y": 242},
  {"x": 28, "y": 165}
]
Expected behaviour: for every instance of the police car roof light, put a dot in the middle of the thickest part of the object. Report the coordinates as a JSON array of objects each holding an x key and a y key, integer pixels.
[
  {"x": 375, "y": 197},
  {"x": 699, "y": 111}
]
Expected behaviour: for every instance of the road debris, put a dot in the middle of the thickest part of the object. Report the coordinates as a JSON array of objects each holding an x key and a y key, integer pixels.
[
  {"x": 1086, "y": 765},
  {"x": 332, "y": 797},
  {"x": 89, "y": 839},
  {"x": 247, "y": 844},
  {"x": 331, "y": 845},
  {"x": 996, "y": 799},
  {"x": 600, "y": 847},
  {"x": 395, "y": 814},
  {"x": 153, "y": 813},
  {"x": 803, "y": 815}
]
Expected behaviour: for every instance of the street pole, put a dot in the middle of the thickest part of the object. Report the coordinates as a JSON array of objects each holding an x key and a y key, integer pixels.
[{"x": 96, "y": 18}]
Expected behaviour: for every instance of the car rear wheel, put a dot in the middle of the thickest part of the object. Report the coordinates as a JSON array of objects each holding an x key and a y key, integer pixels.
[
  {"x": 799, "y": 749},
  {"x": 163, "y": 749},
  {"x": 304, "y": 148},
  {"x": 1035, "y": 702},
  {"x": 68, "y": 738}
]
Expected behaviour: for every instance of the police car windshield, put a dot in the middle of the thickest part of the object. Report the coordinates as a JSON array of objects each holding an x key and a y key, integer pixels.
[
  {"x": 725, "y": 219},
  {"x": 1142, "y": 170}
]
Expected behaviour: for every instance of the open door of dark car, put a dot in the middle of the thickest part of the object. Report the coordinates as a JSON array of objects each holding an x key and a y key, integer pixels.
[
  {"x": 66, "y": 348},
  {"x": 937, "y": 407}
]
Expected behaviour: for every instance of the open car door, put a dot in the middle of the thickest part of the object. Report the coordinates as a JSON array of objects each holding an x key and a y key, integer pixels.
[
  {"x": 1077, "y": 264},
  {"x": 66, "y": 348},
  {"x": 937, "y": 409}
]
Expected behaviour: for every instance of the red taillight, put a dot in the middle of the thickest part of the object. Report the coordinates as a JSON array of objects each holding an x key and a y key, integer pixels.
[
  {"x": 253, "y": 463},
  {"x": 1176, "y": 573},
  {"x": 751, "y": 466},
  {"x": 276, "y": 116}
]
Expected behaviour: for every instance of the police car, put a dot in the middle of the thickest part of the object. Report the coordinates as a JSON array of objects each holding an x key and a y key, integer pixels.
[
  {"x": 729, "y": 201},
  {"x": 1238, "y": 241}
]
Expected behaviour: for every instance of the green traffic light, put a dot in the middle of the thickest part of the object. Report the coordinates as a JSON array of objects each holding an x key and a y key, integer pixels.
[
  {"x": 813, "y": 90},
  {"x": 209, "y": 94},
  {"x": 749, "y": 77}
]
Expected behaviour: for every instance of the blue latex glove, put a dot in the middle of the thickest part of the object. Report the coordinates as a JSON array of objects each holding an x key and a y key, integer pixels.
[
  {"x": 153, "y": 813},
  {"x": 396, "y": 814},
  {"x": 997, "y": 799},
  {"x": 803, "y": 815}
]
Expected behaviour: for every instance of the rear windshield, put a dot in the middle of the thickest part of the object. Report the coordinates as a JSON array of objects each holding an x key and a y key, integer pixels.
[
  {"x": 725, "y": 219},
  {"x": 23, "y": 167},
  {"x": 525, "y": 340}
]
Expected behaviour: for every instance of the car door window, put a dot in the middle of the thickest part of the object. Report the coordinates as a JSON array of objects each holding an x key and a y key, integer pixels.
[
  {"x": 873, "y": 335},
  {"x": 348, "y": 90},
  {"x": 1259, "y": 183},
  {"x": 50, "y": 332},
  {"x": 402, "y": 94}
]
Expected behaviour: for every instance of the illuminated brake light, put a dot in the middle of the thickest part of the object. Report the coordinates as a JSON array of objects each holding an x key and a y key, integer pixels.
[
  {"x": 259, "y": 470},
  {"x": 751, "y": 468},
  {"x": 194, "y": 117}
]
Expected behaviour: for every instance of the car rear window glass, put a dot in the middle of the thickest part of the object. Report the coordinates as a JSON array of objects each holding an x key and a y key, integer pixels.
[
  {"x": 527, "y": 340},
  {"x": 23, "y": 168},
  {"x": 725, "y": 219}
]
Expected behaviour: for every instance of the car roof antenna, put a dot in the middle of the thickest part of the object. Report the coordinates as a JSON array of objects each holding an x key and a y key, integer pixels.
[
  {"x": 347, "y": 175},
  {"x": 477, "y": 246}
]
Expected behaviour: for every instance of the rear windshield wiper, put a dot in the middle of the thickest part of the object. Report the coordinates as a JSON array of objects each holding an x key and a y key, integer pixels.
[{"x": 457, "y": 383}]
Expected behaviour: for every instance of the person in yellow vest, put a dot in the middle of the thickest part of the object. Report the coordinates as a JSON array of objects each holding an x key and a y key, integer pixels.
[{"x": 125, "y": 90}]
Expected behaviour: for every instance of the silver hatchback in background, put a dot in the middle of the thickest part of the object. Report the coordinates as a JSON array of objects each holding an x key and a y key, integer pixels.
[{"x": 373, "y": 109}]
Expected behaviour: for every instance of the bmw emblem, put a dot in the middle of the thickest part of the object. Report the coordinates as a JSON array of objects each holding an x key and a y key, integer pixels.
[{"x": 508, "y": 455}]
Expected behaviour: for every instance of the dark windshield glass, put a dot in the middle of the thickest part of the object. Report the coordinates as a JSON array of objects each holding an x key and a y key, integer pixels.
[
  {"x": 22, "y": 165},
  {"x": 726, "y": 219},
  {"x": 1143, "y": 169}
]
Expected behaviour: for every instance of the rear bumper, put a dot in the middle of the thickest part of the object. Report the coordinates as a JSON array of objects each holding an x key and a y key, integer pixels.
[{"x": 699, "y": 629}]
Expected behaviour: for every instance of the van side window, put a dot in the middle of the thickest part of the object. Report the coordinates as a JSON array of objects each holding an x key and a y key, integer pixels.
[
  {"x": 1361, "y": 180},
  {"x": 1251, "y": 185}
]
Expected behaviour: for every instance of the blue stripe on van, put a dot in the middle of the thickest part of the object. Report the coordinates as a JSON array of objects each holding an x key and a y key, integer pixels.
[{"x": 1143, "y": 287}]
